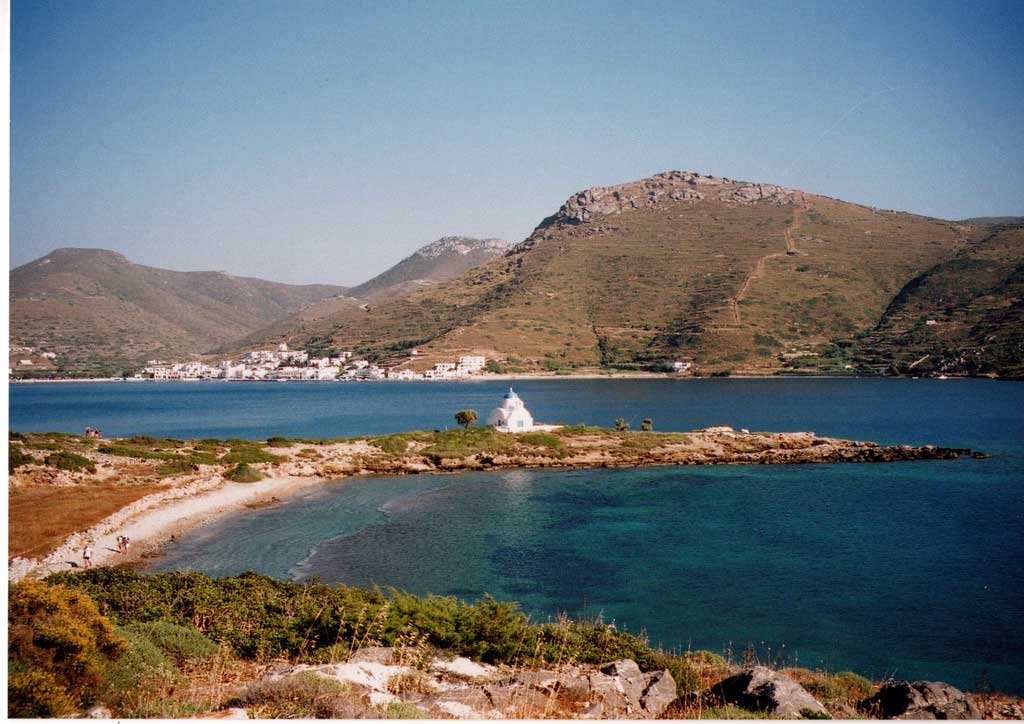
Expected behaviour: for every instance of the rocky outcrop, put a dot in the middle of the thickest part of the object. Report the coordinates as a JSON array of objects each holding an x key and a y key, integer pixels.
[
  {"x": 671, "y": 186},
  {"x": 463, "y": 245},
  {"x": 763, "y": 690},
  {"x": 920, "y": 700},
  {"x": 466, "y": 689}
]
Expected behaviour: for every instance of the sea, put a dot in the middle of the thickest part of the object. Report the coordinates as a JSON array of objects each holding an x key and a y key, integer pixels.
[{"x": 905, "y": 570}]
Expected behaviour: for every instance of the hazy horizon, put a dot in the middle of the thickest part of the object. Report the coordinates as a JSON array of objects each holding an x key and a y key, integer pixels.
[{"x": 324, "y": 142}]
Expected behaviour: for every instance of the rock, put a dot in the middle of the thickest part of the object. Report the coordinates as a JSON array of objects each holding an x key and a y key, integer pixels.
[
  {"x": 463, "y": 667},
  {"x": 920, "y": 700},
  {"x": 98, "y": 712},
  {"x": 764, "y": 690},
  {"x": 660, "y": 692}
]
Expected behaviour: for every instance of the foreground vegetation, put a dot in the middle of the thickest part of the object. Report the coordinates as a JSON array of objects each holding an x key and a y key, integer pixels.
[{"x": 178, "y": 644}]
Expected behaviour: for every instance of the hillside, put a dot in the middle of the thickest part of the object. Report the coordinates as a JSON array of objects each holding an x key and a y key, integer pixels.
[
  {"x": 964, "y": 315},
  {"x": 729, "y": 274},
  {"x": 103, "y": 314},
  {"x": 446, "y": 258}
]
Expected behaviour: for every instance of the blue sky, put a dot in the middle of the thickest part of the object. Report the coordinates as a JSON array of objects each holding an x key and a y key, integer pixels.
[{"x": 321, "y": 142}]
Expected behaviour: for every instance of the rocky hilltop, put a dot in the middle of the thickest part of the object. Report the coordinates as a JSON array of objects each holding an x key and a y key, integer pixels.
[
  {"x": 463, "y": 245},
  {"x": 446, "y": 258},
  {"x": 685, "y": 186}
]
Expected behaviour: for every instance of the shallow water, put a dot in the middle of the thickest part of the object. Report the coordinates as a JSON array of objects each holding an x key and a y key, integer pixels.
[{"x": 905, "y": 569}]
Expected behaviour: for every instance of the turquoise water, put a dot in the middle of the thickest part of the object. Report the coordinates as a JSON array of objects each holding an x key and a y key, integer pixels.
[{"x": 906, "y": 569}]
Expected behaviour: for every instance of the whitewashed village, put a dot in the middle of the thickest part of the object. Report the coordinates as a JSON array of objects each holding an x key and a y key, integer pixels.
[{"x": 284, "y": 364}]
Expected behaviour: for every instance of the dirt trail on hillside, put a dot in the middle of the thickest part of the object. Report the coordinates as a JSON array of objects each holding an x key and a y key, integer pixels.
[{"x": 758, "y": 270}]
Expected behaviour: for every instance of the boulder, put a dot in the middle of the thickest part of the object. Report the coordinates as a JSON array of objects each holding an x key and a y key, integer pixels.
[
  {"x": 660, "y": 691},
  {"x": 98, "y": 712},
  {"x": 764, "y": 690},
  {"x": 920, "y": 700}
]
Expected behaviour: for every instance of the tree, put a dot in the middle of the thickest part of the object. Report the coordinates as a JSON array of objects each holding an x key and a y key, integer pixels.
[
  {"x": 466, "y": 417},
  {"x": 647, "y": 424},
  {"x": 621, "y": 425}
]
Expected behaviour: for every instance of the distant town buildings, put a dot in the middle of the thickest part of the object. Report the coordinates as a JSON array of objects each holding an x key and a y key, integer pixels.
[{"x": 282, "y": 364}]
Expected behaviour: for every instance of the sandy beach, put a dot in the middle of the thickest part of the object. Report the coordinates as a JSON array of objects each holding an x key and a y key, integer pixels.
[{"x": 152, "y": 520}]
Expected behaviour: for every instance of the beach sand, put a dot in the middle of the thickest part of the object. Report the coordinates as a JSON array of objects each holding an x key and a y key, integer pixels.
[{"x": 152, "y": 520}]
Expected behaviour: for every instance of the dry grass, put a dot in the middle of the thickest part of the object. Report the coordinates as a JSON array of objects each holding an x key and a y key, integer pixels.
[{"x": 40, "y": 517}]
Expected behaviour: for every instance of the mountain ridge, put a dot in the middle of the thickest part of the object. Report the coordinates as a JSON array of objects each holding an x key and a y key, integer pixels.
[{"x": 729, "y": 275}]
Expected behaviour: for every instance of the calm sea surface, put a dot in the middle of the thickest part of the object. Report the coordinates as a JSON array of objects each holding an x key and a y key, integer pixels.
[{"x": 907, "y": 569}]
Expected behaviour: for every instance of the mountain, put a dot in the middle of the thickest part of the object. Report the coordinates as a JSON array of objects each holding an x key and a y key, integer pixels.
[
  {"x": 102, "y": 314},
  {"x": 732, "y": 275},
  {"x": 445, "y": 258}
]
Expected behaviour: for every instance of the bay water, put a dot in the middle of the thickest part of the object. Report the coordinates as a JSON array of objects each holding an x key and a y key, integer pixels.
[{"x": 912, "y": 569}]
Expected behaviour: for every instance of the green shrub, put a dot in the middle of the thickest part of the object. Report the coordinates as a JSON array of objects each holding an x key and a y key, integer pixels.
[
  {"x": 393, "y": 444},
  {"x": 279, "y": 442},
  {"x": 52, "y": 446},
  {"x": 244, "y": 473},
  {"x": 125, "y": 451},
  {"x": 16, "y": 457},
  {"x": 209, "y": 444},
  {"x": 302, "y": 696},
  {"x": 250, "y": 453},
  {"x": 59, "y": 646},
  {"x": 137, "y": 683},
  {"x": 544, "y": 439},
  {"x": 71, "y": 462},
  {"x": 180, "y": 643},
  {"x": 262, "y": 618},
  {"x": 178, "y": 466}
]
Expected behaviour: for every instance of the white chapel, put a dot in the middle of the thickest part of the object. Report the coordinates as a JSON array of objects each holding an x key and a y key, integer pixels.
[{"x": 513, "y": 416}]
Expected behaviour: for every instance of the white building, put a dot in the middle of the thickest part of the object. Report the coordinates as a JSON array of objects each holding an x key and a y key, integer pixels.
[
  {"x": 513, "y": 416},
  {"x": 470, "y": 364}
]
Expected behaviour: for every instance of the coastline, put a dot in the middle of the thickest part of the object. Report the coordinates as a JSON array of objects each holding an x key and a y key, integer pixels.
[
  {"x": 520, "y": 376},
  {"x": 151, "y": 521},
  {"x": 208, "y": 495}
]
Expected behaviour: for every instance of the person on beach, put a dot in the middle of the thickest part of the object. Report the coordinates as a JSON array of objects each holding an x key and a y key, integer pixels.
[
  {"x": 87, "y": 555},
  {"x": 120, "y": 544},
  {"x": 124, "y": 542}
]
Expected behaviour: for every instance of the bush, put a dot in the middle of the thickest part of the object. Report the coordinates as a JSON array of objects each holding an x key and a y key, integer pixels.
[
  {"x": 279, "y": 442},
  {"x": 544, "y": 439},
  {"x": 621, "y": 425},
  {"x": 263, "y": 618},
  {"x": 59, "y": 647},
  {"x": 180, "y": 643},
  {"x": 138, "y": 683},
  {"x": 244, "y": 473},
  {"x": 393, "y": 444},
  {"x": 16, "y": 457},
  {"x": 178, "y": 466},
  {"x": 249, "y": 453},
  {"x": 72, "y": 462},
  {"x": 303, "y": 696}
]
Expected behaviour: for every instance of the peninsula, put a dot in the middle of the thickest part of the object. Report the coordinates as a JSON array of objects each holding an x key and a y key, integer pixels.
[{"x": 69, "y": 490}]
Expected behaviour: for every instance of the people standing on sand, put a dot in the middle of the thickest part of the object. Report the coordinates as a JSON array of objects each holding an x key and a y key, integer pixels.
[
  {"x": 120, "y": 545},
  {"x": 87, "y": 555},
  {"x": 124, "y": 541}
]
